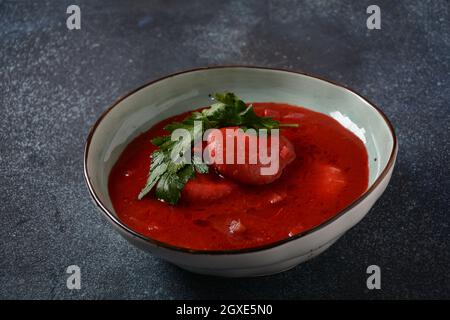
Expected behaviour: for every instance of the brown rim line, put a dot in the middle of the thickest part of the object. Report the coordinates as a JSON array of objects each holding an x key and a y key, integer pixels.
[{"x": 164, "y": 245}]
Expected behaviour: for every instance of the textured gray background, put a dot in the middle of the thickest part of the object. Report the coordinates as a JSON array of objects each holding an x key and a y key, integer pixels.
[{"x": 54, "y": 83}]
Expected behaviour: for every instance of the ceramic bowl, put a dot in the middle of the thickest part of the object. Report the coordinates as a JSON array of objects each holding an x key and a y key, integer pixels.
[{"x": 184, "y": 91}]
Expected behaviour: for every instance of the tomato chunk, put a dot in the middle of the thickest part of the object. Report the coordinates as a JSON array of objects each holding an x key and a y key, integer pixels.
[
  {"x": 207, "y": 187},
  {"x": 330, "y": 179},
  {"x": 250, "y": 171}
]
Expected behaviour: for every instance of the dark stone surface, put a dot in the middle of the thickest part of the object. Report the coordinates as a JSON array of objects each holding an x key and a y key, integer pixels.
[{"x": 55, "y": 83}]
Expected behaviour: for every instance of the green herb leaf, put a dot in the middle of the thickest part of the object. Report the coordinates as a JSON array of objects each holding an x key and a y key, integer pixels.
[
  {"x": 169, "y": 187},
  {"x": 158, "y": 167},
  {"x": 158, "y": 141},
  {"x": 199, "y": 166}
]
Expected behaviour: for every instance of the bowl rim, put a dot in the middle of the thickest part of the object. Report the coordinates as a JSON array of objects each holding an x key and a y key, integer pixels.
[{"x": 116, "y": 221}]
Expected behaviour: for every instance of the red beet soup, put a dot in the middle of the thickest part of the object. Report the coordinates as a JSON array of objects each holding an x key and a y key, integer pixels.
[{"x": 329, "y": 172}]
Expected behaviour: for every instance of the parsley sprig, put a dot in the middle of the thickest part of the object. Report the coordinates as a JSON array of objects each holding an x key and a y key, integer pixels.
[{"x": 167, "y": 176}]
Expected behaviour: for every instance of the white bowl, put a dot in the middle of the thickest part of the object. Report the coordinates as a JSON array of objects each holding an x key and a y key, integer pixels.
[{"x": 177, "y": 93}]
